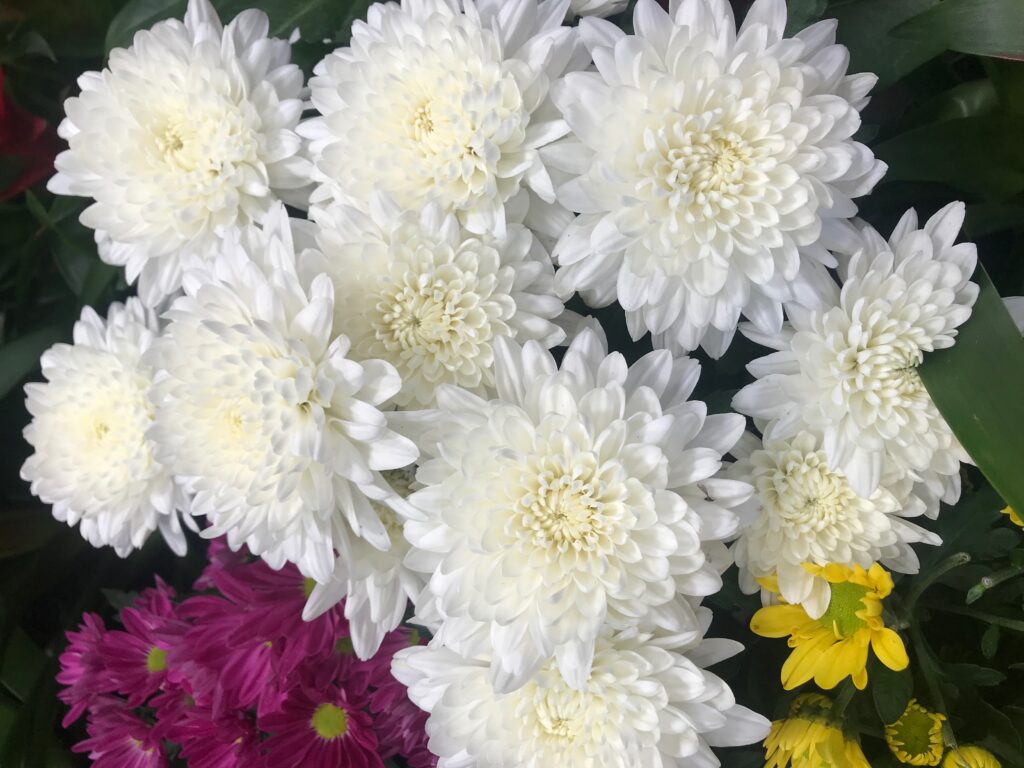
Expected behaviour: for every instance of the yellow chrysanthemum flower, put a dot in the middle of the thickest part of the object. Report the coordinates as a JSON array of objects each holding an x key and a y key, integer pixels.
[
  {"x": 971, "y": 757},
  {"x": 809, "y": 739},
  {"x": 1014, "y": 516},
  {"x": 835, "y": 646},
  {"x": 916, "y": 738}
]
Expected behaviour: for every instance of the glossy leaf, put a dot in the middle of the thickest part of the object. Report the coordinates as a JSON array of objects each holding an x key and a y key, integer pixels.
[
  {"x": 864, "y": 27},
  {"x": 983, "y": 156},
  {"x": 984, "y": 27},
  {"x": 976, "y": 385}
]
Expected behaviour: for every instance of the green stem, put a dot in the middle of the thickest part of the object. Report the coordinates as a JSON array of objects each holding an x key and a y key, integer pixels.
[
  {"x": 990, "y": 618},
  {"x": 930, "y": 672},
  {"x": 988, "y": 582},
  {"x": 925, "y": 580},
  {"x": 843, "y": 699}
]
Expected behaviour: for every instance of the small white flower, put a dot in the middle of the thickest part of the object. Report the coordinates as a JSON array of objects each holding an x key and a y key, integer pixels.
[
  {"x": 850, "y": 371},
  {"x": 375, "y": 585},
  {"x": 444, "y": 100},
  {"x": 92, "y": 460},
  {"x": 712, "y": 168},
  {"x": 648, "y": 702},
  {"x": 580, "y": 496},
  {"x": 806, "y": 512},
  {"x": 265, "y": 417},
  {"x": 597, "y": 7},
  {"x": 186, "y": 135},
  {"x": 418, "y": 290}
]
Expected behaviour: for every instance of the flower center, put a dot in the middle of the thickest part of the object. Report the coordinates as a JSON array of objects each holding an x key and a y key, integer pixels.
[
  {"x": 329, "y": 722},
  {"x": 691, "y": 163},
  {"x": 100, "y": 429},
  {"x": 561, "y": 714},
  {"x": 560, "y": 511},
  {"x": 308, "y": 585},
  {"x": 841, "y": 616},
  {"x": 916, "y": 734},
  {"x": 156, "y": 660},
  {"x": 422, "y": 122},
  {"x": 804, "y": 493}
]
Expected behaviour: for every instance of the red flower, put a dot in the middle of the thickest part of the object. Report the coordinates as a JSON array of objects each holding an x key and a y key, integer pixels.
[{"x": 29, "y": 140}]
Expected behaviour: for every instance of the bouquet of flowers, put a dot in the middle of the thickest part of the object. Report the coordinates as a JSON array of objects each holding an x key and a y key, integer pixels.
[{"x": 522, "y": 365}]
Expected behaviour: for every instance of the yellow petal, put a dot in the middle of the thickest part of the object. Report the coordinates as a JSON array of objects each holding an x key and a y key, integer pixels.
[
  {"x": 803, "y": 661},
  {"x": 778, "y": 620},
  {"x": 889, "y": 648}
]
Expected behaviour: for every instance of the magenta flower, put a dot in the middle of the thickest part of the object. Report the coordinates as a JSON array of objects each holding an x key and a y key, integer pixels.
[
  {"x": 119, "y": 739},
  {"x": 231, "y": 741},
  {"x": 82, "y": 671},
  {"x": 136, "y": 658},
  {"x": 321, "y": 728}
]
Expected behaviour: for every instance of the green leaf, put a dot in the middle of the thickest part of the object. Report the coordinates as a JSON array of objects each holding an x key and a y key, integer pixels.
[
  {"x": 976, "y": 386},
  {"x": 983, "y": 27},
  {"x": 21, "y": 356},
  {"x": 803, "y": 13},
  {"x": 988, "y": 161},
  {"x": 990, "y": 642},
  {"x": 971, "y": 675},
  {"x": 20, "y": 664},
  {"x": 891, "y": 691},
  {"x": 864, "y": 27}
]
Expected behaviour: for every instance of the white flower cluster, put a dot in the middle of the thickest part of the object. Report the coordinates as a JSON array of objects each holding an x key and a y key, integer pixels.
[{"x": 370, "y": 392}]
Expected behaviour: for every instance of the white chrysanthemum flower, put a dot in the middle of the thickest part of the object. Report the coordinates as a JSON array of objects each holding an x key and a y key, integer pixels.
[
  {"x": 597, "y": 7},
  {"x": 580, "y": 495},
  {"x": 712, "y": 167},
  {"x": 418, "y": 290},
  {"x": 92, "y": 460},
  {"x": 648, "y": 702},
  {"x": 186, "y": 135},
  {"x": 265, "y": 417},
  {"x": 444, "y": 100},
  {"x": 850, "y": 371},
  {"x": 376, "y": 586},
  {"x": 803, "y": 511}
]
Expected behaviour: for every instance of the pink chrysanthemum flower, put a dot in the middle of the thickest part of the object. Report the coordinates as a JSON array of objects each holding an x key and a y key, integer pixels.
[
  {"x": 119, "y": 739},
  {"x": 232, "y": 741},
  {"x": 321, "y": 728},
  {"x": 136, "y": 659},
  {"x": 81, "y": 668}
]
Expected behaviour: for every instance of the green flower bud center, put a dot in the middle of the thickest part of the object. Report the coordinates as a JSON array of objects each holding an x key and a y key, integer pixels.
[
  {"x": 841, "y": 616},
  {"x": 156, "y": 660},
  {"x": 329, "y": 722}
]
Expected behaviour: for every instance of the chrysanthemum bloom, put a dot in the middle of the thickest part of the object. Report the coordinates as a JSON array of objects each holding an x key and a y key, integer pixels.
[
  {"x": 580, "y": 495},
  {"x": 831, "y": 648},
  {"x": 418, "y": 290},
  {"x": 1015, "y": 518},
  {"x": 916, "y": 738},
  {"x": 803, "y": 511},
  {"x": 445, "y": 100},
  {"x": 647, "y": 701},
  {"x": 82, "y": 673},
  {"x": 231, "y": 741},
  {"x": 597, "y": 7},
  {"x": 135, "y": 659},
  {"x": 809, "y": 738},
  {"x": 185, "y": 136},
  {"x": 850, "y": 371},
  {"x": 323, "y": 728},
  {"x": 711, "y": 168},
  {"x": 265, "y": 417},
  {"x": 119, "y": 739},
  {"x": 93, "y": 460},
  {"x": 375, "y": 585},
  {"x": 970, "y": 757}
]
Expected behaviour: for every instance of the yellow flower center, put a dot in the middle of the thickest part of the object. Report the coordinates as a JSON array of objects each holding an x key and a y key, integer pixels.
[
  {"x": 308, "y": 585},
  {"x": 156, "y": 660},
  {"x": 841, "y": 616},
  {"x": 329, "y": 722}
]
